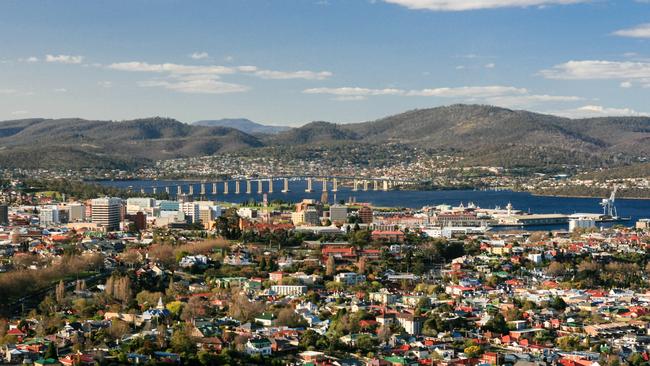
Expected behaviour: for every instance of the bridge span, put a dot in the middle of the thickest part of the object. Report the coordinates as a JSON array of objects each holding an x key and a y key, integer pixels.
[{"x": 261, "y": 185}]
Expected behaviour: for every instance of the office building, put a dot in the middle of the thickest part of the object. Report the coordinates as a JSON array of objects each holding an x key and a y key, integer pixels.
[
  {"x": 49, "y": 215},
  {"x": 106, "y": 213},
  {"x": 338, "y": 213},
  {"x": 365, "y": 214},
  {"x": 192, "y": 210},
  {"x": 311, "y": 216}
]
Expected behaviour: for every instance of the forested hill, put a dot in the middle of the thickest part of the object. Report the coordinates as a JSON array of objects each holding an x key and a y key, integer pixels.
[
  {"x": 496, "y": 136},
  {"x": 76, "y": 143},
  {"x": 481, "y": 134}
]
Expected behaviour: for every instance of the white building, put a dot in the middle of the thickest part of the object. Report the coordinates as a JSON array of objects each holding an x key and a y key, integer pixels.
[
  {"x": 349, "y": 278},
  {"x": 191, "y": 210},
  {"x": 247, "y": 213},
  {"x": 581, "y": 223},
  {"x": 49, "y": 215},
  {"x": 411, "y": 323},
  {"x": 258, "y": 346},
  {"x": 286, "y": 290},
  {"x": 106, "y": 212},
  {"x": 137, "y": 204}
]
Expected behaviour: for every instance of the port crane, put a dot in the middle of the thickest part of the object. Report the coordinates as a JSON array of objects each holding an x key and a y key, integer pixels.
[{"x": 608, "y": 204}]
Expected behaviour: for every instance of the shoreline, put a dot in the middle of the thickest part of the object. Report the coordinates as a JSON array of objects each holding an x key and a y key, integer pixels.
[{"x": 582, "y": 196}]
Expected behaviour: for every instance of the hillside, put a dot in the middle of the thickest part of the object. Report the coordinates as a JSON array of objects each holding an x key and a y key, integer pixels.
[
  {"x": 483, "y": 135},
  {"x": 313, "y": 133},
  {"x": 76, "y": 143},
  {"x": 242, "y": 124}
]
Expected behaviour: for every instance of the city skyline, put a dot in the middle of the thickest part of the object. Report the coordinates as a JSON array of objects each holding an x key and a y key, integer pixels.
[{"x": 288, "y": 63}]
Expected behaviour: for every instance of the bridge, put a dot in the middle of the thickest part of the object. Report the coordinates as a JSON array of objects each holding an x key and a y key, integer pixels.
[{"x": 257, "y": 185}]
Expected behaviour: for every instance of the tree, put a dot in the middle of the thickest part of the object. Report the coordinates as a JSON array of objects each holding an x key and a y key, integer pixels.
[
  {"x": 164, "y": 255},
  {"x": 472, "y": 351},
  {"x": 60, "y": 292},
  {"x": 175, "y": 307},
  {"x": 147, "y": 299},
  {"x": 557, "y": 303},
  {"x": 243, "y": 309},
  {"x": 330, "y": 268},
  {"x": 288, "y": 317},
  {"x": 568, "y": 343},
  {"x": 384, "y": 333},
  {"x": 636, "y": 359},
  {"x": 556, "y": 269},
  {"x": 497, "y": 324},
  {"x": 182, "y": 343},
  {"x": 195, "y": 307},
  {"x": 366, "y": 343},
  {"x": 51, "y": 351},
  {"x": 118, "y": 329},
  {"x": 309, "y": 339},
  {"x": 361, "y": 265}
]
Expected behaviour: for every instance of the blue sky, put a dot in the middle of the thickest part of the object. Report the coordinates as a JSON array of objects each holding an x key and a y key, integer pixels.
[{"x": 294, "y": 61}]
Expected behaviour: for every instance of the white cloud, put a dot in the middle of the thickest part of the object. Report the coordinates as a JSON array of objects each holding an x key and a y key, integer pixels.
[
  {"x": 215, "y": 70},
  {"x": 136, "y": 66},
  {"x": 491, "y": 65},
  {"x": 598, "y": 111},
  {"x": 639, "y": 31},
  {"x": 31, "y": 59},
  {"x": 105, "y": 84},
  {"x": 197, "y": 86},
  {"x": 302, "y": 74},
  {"x": 354, "y": 91},
  {"x": 507, "y": 96},
  {"x": 64, "y": 59},
  {"x": 461, "y": 5},
  {"x": 626, "y": 84},
  {"x": 597, "y": 69},
  {"x": 350, "y": 98},
  {"x": 8, "y": 91},
  {"x": 523, "y": 101},
  {"x": 469, "y": 91},
  {"x": 60, "y": 90},
  {"x": 19, "y": 113},
  {"x": 199, "y": 55}
]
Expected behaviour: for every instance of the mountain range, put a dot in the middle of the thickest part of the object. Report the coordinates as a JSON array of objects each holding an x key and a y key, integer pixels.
[
  {"x": 242, "y": 124},
  {"x": 481, "y": 134}
]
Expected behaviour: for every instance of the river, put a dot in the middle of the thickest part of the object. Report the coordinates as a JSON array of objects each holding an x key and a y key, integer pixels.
[{"x": 632, "y": 208}]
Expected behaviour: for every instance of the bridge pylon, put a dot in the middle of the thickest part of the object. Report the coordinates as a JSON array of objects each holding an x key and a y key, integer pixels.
[{"x": 285, "y": 189}]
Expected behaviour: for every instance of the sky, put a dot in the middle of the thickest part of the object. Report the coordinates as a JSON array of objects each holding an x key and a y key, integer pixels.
[{"x": 289, "y": 62}]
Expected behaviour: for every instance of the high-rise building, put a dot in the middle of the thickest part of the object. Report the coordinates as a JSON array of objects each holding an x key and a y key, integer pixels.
[
  {"x": 49, "y": 215},
  {"x": 365, "y": 214},
  {"x": 311, "y": 216},
  {"x": 106, "y": 213},
  {"x": 4, "y": 215},
  {"x": 338, "y": 213},
  {"x": 139, "y": 219},
  {"x": 191, "y": 210},
  {"x": 77, "y": 212}
]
